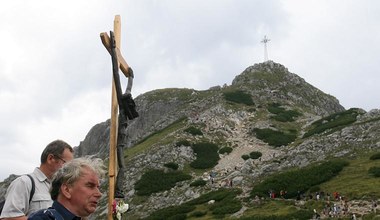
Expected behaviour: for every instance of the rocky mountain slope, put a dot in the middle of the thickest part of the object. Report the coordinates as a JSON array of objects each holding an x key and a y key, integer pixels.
[
  {"x": 166, "y": 113},
  {"x": 265, "y": 97}
]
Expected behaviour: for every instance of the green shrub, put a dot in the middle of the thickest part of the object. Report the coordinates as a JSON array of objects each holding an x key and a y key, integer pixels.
[
  {"x": 314, "y": 189},
  {"x": 375, "y": 156},
  {"x": 281, "y": 114},
  {"x": 207, "y": 155},
  {"x": 183, "y": 143},
  {"x": 177, "y": 217},
  {"x": 171, "y": 165},
  {"x": 299, "y": 214},
  {"x": 274, "y": 138},
  {"x": 275, "y": 108},
  {"x": 251, "y": 110},
  {"x": 172, "y": 212},
  {"x": 224, "y": 198},
  {"x": 335, "y": 121},
  {"x": 218, "y": 195},
  {"x": 299, "y": 180},
  {"x": 255, "y": 154},
  {"x": 193, "y": 130},
  {"x": 227, "y": 206},
  {"x": 375, "y": 171},
  {"x": 225, "y": 150},
  {"x": 238, "y": 96},
  {"x": 198, "y": 214},
  {"x": 198, "y": 182},
  {"x": 245, "y": 156},
  {"x": 157, "y": 180}
]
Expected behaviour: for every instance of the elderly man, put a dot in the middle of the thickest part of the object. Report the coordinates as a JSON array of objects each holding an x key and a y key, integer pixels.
[
  {"x": 75, "y": 190},
  {"x": 19, "y": 201}
]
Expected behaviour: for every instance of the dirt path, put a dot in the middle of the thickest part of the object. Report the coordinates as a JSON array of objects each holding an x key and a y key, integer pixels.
[{"x": 244, "y": 145}]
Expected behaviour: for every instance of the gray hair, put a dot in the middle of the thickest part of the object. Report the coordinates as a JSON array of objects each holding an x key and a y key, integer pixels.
[
  {"x": 56, "y": 148},
  {"x": 73, "y": 170}
]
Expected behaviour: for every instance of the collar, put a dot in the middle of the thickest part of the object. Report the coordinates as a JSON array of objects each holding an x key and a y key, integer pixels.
[
  {"x": 66, "y": 214},
  {"x": 40, "y": 175}
]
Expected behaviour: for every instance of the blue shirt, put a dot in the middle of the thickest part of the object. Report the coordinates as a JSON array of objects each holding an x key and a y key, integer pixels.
[{"x": 56, "y": 212}]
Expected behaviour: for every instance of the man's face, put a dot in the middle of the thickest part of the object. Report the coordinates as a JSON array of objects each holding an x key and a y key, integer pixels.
[
  {"x": 85, "y": 193},
  {"x": 60, "y": 160}
]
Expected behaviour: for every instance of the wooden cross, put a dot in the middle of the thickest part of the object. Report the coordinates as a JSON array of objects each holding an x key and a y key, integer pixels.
[{"x": 114, "y": 111}]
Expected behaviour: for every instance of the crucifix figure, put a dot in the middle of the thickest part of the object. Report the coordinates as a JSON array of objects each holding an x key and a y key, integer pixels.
[{"x": 123, "y": 103}]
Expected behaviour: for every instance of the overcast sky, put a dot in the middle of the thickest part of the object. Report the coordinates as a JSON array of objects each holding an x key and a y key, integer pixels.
[{"x": 55, "y": 74}]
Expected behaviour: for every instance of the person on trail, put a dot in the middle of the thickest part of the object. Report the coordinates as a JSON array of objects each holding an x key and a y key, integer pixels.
[
  {"x": 17, "y": 205},
  {"x": 374, "y": 205},
  {"x": 75, "y": 190}
]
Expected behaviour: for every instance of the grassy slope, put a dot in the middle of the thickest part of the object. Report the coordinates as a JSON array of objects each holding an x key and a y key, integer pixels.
[
  {"x": 157, "y": 137},
  {"x": 354, "y": 181}
]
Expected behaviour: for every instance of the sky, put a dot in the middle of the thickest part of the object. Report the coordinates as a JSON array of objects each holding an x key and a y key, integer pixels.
[{"x": 55, "y": 74}]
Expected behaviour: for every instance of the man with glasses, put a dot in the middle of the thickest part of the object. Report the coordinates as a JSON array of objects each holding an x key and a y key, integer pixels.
[{"x": 17, "y": 205}]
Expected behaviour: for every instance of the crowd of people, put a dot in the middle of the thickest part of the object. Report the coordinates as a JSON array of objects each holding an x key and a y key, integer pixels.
[
  {"x": 335, "y": 204},
  {"x": 60, "y": 188}
]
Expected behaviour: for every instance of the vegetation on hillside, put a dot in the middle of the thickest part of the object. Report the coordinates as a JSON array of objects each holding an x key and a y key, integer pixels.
[
  {"x": 375, "y": 156},
  {"x": 245, "y": 156},
  {"x": 281, "y": 114},
  {"x": 207, "y": 155},
  {"x": 224, "y": 150},
  {"x": 171, "y": 165},
  {"x": 183, "y": 143},
  {"x": 298, "y": 214},
  {"x": 334, "y": 122},
  {"x": 154, "y": 138},
  {"x": 157, "y": 180},
  {"x": 225, "y": 203},
  {"x": 198, "y": 182},
  {"x": 255, "y": 154},
  {"x": 375, "y": 171},
  {"x": 238, "y": 96},
  {"x": 273, "y": 137},
  {"x": 193, "y": 130},
  {"x": 299, "y": 181}
]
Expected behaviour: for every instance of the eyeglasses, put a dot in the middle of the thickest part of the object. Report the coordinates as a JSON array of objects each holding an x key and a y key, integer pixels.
[{"x": 64, "y": 161}]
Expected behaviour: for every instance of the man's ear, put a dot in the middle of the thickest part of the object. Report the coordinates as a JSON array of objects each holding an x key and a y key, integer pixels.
[
  {"x": 50, "y": 159},
  {"x": 66, "y": 190}
]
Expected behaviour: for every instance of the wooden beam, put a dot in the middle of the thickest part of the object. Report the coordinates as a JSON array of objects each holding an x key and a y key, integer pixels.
[
  {"x": 107, "y": 44},
  {"x": 113, "y": 129}
]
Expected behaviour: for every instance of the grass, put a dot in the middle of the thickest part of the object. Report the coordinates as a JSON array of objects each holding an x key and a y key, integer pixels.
[
  {"x": 255, "y": 154},
  {"x": 354, "y": 181},
  {"x": 334, "y": 122},
  {"x": 271, "y": 207},
  {"x": 225, "y": 150},
  {"x": 238, "y": 96},
  {"x": 273, "y": 137},
  {"x": 165, "y": 95},
  {"x": 281, "y": 114},
  {"x": 156, "y": 180},
  {"x": 225, "y": 203},
  {"x": 157, "y": 137},
  {"x": 299, "y": 180},
  {"x": 207, "y": 155},
  {"x": 193, "y": 130}
]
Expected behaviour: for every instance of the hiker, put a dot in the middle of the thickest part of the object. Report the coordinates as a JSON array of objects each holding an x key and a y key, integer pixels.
[
  {"x": 374, "y": 205},
  {"x": 353, "y": 217},
  {"x": 316, "y": 214},
  {"x": 17, "y": 205},
  {"x": 75, "y": 190}
]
